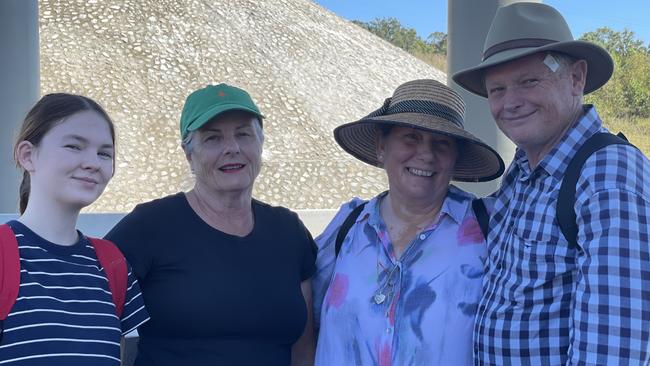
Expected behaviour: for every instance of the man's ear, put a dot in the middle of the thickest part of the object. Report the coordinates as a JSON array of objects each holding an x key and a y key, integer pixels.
[
  {"x": 25, "y": 154},
  {"x": 578, "y": 74}
]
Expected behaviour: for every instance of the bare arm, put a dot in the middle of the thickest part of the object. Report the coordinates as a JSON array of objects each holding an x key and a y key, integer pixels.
[{"x": 302, "y": 352}]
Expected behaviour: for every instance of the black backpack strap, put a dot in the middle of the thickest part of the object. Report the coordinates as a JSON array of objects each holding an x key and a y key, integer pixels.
[
  {"x": 566, "y": 215},
  {"x": 345, "y": 227},
  {"x": 480, "y": 211}
]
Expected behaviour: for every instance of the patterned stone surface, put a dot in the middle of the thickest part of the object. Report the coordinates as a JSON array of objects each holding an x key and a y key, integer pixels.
[{"x": 308, "y": 70}]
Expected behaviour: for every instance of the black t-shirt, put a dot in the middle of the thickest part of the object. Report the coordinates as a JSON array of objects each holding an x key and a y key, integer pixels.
[{"x": 214, "y": 298}]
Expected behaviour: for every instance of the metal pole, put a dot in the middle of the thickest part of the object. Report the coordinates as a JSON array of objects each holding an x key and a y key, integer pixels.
[{"x": 19, "y": 86}]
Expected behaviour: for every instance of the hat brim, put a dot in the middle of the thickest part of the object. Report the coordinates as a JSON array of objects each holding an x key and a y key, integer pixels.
[
  {"x": 217, "y": 110},
  {"x": 476, "y": 161},
  {"x": 599, "y": 64}
]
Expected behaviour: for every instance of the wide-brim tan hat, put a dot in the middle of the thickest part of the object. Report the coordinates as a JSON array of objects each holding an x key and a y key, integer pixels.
[
  {"x": 430, "y": 106},
  {"x": 522, "y": 29}
]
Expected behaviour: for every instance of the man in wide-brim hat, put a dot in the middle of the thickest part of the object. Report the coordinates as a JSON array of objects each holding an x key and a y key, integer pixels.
[
  {"x": 563, "y": 286},
  {"x": 405, "y": 276}
]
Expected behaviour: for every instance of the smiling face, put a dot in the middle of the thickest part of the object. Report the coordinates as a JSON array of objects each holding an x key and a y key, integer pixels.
[
  {"x": 419, "y": 164},
  {"x": 73, "y": 162},
  {"x": 226, "y": 153},
  {"x": 533, "y": 105}
]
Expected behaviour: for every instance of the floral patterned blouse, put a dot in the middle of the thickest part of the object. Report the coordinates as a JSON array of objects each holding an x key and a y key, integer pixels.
[{"x": 375, "y": 309}]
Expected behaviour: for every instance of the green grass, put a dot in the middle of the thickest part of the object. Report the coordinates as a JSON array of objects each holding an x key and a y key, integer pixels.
[
  {"x": 437, "y": 60},
  {"x": 637, "y": 131}
]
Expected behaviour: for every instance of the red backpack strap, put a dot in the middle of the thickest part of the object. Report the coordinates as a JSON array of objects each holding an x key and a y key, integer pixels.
[
  {"x": 9, "y": 272},
  {"x": 114, "y": 264}
]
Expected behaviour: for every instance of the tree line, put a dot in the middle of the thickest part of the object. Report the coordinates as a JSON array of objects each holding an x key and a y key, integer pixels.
[{"x": 626, "y": 95}]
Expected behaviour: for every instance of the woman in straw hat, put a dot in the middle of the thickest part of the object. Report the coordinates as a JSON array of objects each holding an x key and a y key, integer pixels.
[{"x": 404, "y": 286}]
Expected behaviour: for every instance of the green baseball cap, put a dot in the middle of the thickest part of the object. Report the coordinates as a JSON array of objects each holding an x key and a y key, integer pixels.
[{"x": 204, "y": 104}]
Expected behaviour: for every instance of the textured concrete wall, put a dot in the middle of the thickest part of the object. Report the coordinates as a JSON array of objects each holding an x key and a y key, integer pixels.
[{"x": 308, "y": 70}]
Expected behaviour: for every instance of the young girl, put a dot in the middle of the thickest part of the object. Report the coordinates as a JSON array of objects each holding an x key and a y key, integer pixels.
[{"x": 64, "y": 313}]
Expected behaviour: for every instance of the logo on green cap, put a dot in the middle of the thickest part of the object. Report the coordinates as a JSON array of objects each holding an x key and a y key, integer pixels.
[{"x": 204, "y": 104}]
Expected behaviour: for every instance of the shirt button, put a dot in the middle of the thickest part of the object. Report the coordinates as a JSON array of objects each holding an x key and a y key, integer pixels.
[
  {"x": 422, "y": 236},
  {"x": 389, "y": 330}
]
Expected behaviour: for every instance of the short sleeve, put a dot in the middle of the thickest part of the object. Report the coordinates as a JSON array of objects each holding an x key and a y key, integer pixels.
[
  {"x": 326, "y": 256},
  {"x": 130, "y": 236},
  {"x": 134, "y": 313},
  {"x": 308, "y": 266}
]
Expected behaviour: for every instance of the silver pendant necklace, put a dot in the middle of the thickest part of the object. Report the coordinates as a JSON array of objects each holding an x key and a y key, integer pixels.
[{"x": 379, "y": 297}]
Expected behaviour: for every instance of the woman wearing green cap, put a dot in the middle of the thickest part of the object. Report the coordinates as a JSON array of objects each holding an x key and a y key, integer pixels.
[{"x": 226, "y": 278}]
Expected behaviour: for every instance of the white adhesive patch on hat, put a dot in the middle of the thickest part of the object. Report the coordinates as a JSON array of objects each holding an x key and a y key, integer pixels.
[{"x": 551, "y": 62}]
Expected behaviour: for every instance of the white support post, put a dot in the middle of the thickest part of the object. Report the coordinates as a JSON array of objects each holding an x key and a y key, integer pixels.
[
  {"x": 19, "y": 86},
  {"x": 468, "y": 22}
]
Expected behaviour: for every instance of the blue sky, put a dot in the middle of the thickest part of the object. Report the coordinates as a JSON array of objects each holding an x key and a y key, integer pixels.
[{"x": 428, "y": 16}]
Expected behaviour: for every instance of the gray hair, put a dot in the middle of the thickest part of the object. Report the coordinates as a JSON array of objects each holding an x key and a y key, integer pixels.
[
  {"x": 188, "y": 142},
  {"x": 563, "y": 59}
]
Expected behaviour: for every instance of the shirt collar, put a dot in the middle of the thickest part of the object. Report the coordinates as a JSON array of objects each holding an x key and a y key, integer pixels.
[
  {"x": 556, "y": 161},
  {"x": 456, "y": 202},
  {"x": 454, "y": 206}
]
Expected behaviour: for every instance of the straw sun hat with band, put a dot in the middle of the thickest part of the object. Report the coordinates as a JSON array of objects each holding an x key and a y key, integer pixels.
[
  {"x": 522, "y": 29},
  {"x": 432, "y": 107}
]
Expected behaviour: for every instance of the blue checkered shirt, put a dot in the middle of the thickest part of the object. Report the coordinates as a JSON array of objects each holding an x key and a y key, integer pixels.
[{"x": 547, "y": 304}]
